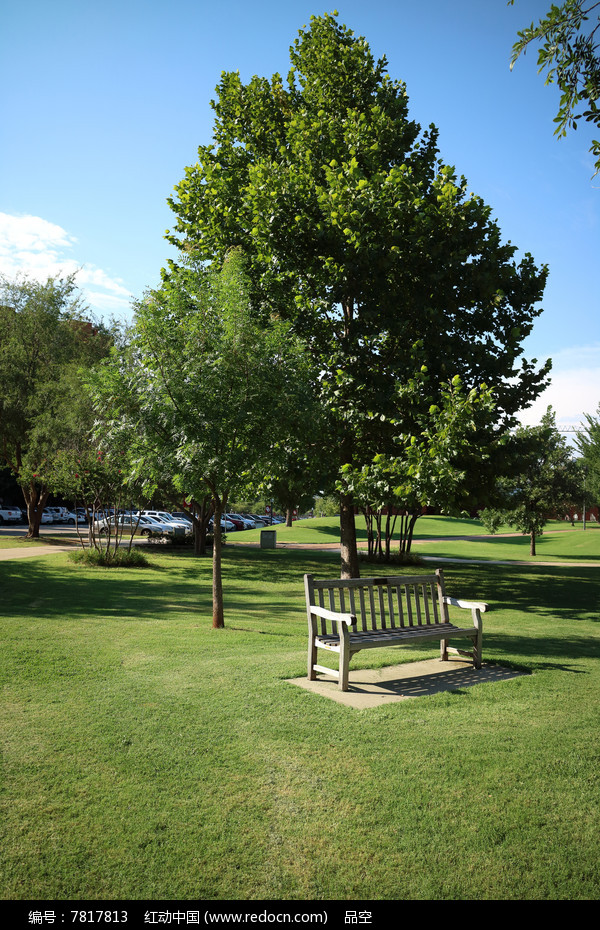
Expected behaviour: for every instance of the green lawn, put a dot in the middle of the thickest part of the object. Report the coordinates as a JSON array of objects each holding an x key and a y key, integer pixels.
[
  {"x": 327, "y": 529},
  {"x": 17, "y": 542},
  {"x": 440, "y": 536},
  {"x": 555, "y": 545},
  {"x": 147, "y": 756}
]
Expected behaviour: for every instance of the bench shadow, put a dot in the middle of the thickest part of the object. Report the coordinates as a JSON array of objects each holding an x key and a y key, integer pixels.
[{"x": 374, "y": 687}]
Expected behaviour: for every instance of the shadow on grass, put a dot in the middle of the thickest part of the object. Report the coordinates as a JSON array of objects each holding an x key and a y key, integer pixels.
[
  {"x": 264, "y": 589},
  {"x": 176, "y": 583}
]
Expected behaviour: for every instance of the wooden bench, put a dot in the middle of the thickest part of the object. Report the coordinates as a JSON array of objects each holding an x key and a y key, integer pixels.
[{"x": 349, "y": 614}]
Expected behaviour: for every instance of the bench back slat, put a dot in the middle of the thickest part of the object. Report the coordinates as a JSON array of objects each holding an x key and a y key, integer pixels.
[{"x": 382, "y": 603}]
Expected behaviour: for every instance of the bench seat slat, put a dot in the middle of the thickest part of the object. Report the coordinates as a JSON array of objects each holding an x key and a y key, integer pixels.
[{"x": 396, "y": 635}]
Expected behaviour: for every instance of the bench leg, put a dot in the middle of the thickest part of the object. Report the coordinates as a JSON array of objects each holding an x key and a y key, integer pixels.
[
  {"x": 477, "y": 640},
  {"x": 344, "y": 669},
  {"x": 312, "y": 660},
  {"x": 443, "y": 650},
  {"x": 477, "y": 650}
]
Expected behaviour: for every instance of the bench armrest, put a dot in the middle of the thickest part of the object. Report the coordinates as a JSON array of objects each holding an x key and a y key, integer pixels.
[
  {"x": 469, "y": 605},
  {"x": 350, "y": 619}
]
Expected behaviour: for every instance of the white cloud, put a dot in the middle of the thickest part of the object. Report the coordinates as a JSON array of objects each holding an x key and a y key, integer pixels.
[
  {"x": 574, "y": 390},
  {"x": 32, "y": 246}
]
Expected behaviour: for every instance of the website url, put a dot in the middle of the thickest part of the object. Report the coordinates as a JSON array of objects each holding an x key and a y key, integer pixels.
[{"x": 265, "y": 917}]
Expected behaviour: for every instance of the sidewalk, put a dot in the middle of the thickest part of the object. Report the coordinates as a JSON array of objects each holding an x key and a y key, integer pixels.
[{"x": 25, "y": 553}]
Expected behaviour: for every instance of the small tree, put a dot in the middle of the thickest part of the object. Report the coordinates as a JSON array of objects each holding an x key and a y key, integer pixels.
[
  {"x": 541, "y": 478},
  {"x": 440, "y": 462},
  {"x": 204, "y": 389},
  {"x": 100, "y": 482},
  {"x": 46, "y": 337}
]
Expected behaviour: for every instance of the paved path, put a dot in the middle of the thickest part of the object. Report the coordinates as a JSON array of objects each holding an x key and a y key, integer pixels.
[{"x": 28, "y": 551}]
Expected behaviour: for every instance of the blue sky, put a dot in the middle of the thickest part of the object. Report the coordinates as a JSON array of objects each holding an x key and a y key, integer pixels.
[{"x": 105, "y": 103}]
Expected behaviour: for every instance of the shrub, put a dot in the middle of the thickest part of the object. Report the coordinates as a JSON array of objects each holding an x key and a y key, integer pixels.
[
  {"x": 395, "y": 558},
  {"x": 109, "y": 558}
]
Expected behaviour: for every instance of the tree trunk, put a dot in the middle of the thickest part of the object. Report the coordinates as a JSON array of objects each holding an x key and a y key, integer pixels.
[
  {"x": 368, "y": 515},
  {"x": 35, "y": 504},
  {"x": 532, "y": 543},
  {"x": 349, "y": 550},
  {"x": 288, "y": 516},
  {"x": 217, "y": 580},
  {"x": 407, "y": 526}
]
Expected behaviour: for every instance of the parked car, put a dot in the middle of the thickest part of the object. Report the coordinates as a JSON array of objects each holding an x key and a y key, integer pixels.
[
  {"x": 163, "y": 517},
  {"x": 10, "y": 515},
  {"x": 126, "y": 525},
  {"x": 59, "y": 514},
  {"x": 182, "y": 515},
  {"x": 241, "y": 522},
  {"x": 226, "y": 525}
]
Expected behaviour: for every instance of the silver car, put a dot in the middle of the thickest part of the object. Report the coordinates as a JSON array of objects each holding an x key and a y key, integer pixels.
[
  {"x": 127, "y": 526},
  {"x": 180, "y": 527}
]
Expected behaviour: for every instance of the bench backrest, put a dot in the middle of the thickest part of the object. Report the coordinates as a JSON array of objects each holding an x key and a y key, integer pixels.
[{"x": 380, "y": 603}]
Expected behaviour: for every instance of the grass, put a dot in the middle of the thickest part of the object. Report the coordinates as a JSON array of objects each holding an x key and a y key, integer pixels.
[
  {"x": 110, "y": 557},
  {"x": 147, "y": 756},
  {"x": 570, "y": 545},
  {"x": 18, "y": 542},
  {"x": 327, "y": 530},
  {"x": 322, "y": 530}
]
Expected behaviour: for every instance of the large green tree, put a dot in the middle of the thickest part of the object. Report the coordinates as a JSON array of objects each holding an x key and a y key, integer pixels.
[
  {"x": 361, "y": 238},
  {"x": 46, "y": 337},
  {"x": 568, "y": 40},
  {"x": 203, "y": 391}
]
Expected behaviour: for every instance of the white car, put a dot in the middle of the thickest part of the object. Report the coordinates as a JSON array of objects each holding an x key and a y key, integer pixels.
[
  {"x": 10, "y": 515},
  {"x": 163, "y": 517},
  {"x": 126, "y": 525},
  {"x": 226, "y": 525}
]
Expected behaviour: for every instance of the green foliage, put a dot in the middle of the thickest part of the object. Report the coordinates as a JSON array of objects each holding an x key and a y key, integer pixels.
[
  {"x": 328, "y": 506},
  {"x": 395, "y": 558},
  {"x": 540, "y": 478},
  {"x": 434, "y": 462},
  {"x": 588, "y": 444},
  {"x": 46, "y": 338},
  {"x": 110, "y": 558},
  {"x": 202, "y": 393},
  {"x": 360, "y": 237},
  {"x": 355, "y": 230},
  {"x": 569, "y": 52}
]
